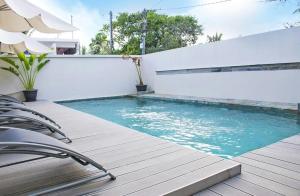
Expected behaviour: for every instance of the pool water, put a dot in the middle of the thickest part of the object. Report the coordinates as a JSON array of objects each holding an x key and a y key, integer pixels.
[{"x": 222, "y": 130}]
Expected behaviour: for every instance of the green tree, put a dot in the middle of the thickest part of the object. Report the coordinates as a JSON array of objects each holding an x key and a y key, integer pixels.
[
  {"x": 214, "y": 38},
  {"x": 100, "y": 44},
  {"x": 163, "y": 32},
  {"x": 83, "y": 50}
]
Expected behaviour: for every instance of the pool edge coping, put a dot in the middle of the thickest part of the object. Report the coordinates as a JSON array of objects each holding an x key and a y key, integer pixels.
[{"x": 292, "y": 107}]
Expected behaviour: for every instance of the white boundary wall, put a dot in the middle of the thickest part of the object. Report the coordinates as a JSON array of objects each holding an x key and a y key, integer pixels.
[
  {"x": 281, "y": 46},
  {"x": 79, "y": 77}
]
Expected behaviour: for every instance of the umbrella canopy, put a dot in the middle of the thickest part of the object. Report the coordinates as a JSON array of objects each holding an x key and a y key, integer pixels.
[
  {"x": 20, "y": 16},
  {"x": 12, "y": 42}
]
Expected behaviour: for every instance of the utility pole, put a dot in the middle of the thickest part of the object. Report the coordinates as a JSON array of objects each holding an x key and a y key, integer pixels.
[
  {"x": 111, "y": 42},
  {"x": 144, "y": 32},
  {"x": 72, "y": 24}
]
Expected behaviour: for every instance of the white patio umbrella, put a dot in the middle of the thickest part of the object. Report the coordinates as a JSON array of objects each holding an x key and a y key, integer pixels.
[
  {"x": 20, "y": 16},
  {"x": 12, "y": 42}
]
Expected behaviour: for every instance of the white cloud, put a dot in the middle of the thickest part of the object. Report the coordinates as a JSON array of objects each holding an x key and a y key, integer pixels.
[
  {"x": 232, "y": 18},
  {"x": 238, "y": 17},
  {"x": 88, "y": 20}
]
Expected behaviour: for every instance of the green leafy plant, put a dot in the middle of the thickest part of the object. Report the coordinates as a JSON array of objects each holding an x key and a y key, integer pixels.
[
  {"x": 215, "y": 38},
  {"x": 26, "y": 68},
  {"x": 137, "y": 63},
  {"x": 83, "y": 50}
]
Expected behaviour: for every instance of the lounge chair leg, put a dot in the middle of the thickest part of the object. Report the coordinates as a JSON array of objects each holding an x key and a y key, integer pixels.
[
  {"x": 70, "y": 185},
  {"x": 68, "y": 140},
  {"x": 112, "y": 177},
  {"x": 88, "y": 161}
]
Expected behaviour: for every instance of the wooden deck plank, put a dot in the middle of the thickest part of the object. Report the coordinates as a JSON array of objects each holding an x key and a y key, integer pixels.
[
  {"x": 102, "y": 182},
  {"x": 124, "y": 178},
  {"x": 159, "y": 178},
  {"x": 149, "y": 162},
  {"x": 100, "y": 141},
  {"x": 281, "y": 154},
  {"x": 61, "y": 177},
  {"x": 269, "y": 167},
  {"x": 98, "y": 153},
  {"x": 280, "y": 144},
  {"x": 227, "y": 190},
  {"x": 284, "y": 145},
  {"x": 283, "y": 149},
  {"x": 207, "y": 192},
  {"x": 272, "y": 161},
  {"x": 115, "y": 150},
  {"x": 272, "y": 176},
  {"x": 271, "y": 170},
  {"x": 147, "y": 150},
  {"x": 292, "y": 140},
  {"x": 135, "y": 159},
  {"x": 249, "y": 187},
  {"x": 191, "y": 181},
  {"x": 269, "y": 184},
  {"x": 66, "y": 174},
  {"x": 127, "y": 146}
]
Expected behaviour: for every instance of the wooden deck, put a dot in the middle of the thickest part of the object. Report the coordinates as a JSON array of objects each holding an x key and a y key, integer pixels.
[
  {"x": 144, "y": 165},
  {"x": 272, "y": 170}
]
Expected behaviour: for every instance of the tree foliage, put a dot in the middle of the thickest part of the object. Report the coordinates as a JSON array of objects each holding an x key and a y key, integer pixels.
[
  {"x": 163, "y": 32},
  {"x": 100, "y": 44},
  {"x": 214, "y": 38},
  {"x": 83, "y": 50}
]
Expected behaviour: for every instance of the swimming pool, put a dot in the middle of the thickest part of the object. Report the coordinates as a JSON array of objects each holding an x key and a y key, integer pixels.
[{"x": 222, "y": 130}]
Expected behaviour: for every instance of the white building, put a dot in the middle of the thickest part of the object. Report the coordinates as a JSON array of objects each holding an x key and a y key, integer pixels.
[{"x": 62, "y": 46}]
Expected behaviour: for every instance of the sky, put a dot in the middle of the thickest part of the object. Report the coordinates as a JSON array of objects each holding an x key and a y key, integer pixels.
[{"x": 233, "y": 19}]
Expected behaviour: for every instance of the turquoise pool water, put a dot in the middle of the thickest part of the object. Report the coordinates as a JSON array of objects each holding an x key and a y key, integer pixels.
[{"x": 221, "y": 130}]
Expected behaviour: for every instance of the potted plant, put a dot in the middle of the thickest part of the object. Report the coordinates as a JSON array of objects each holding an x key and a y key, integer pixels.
[
  {"x": 137, "y": 62},
  {"x": 26, "y": 69}
]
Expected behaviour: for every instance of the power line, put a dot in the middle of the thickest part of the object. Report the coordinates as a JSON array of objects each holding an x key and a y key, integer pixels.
[
  {"x": 157, "y": 3},
  {"x": 144, "y": 31},
  {"x": 111, "y": 41},
  {"x": 192, "y": 6}
]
